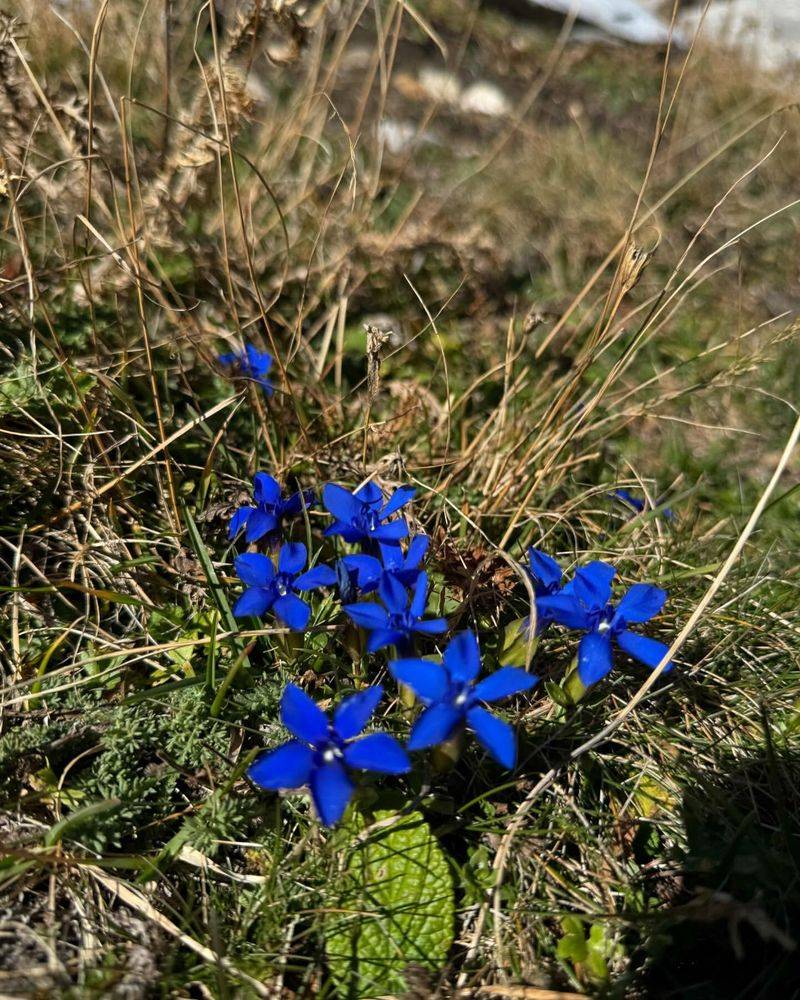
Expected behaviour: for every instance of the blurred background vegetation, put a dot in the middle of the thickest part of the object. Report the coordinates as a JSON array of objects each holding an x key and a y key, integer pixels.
[{"x": 586, "y": 255}]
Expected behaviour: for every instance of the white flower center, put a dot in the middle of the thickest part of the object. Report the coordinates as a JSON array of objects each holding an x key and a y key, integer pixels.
[{"x": 603, "y": 627}]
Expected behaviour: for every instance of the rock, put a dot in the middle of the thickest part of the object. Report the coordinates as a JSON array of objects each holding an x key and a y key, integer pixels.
[
  {"x": 624, "y": 19},
  {"x": 766, "y": 32},
  {"x": 484, "y": 98},
  {"x": 440, "y": 85},
  {"x": 396, "y": 136}
]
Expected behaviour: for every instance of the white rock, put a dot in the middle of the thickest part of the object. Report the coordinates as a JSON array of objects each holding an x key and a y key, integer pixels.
[
  {"x": 484, "y": 98},
  {"x": 440, "y": 85},
  {"x": 396, "y": 136},
  {"x": 765, "y": 31},
  {"x": 625, "y": 19}
]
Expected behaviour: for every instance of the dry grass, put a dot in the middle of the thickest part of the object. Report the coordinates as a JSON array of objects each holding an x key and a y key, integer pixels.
[{"x": 173, "y": 183}]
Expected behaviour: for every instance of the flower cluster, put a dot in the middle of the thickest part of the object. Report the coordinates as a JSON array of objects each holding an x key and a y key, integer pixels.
[
  {"x": 384, "y": 587},
  {"x": 270, "y": 587},
  {"x": 364, "y": 518},
  {"x": 321, "y": 753}
]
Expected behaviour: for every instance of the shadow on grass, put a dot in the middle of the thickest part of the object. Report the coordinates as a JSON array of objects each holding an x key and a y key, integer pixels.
[{"x": 733, "y": 929}]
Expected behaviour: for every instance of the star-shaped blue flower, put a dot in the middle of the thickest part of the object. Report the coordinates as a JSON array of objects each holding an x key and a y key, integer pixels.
[
  {"x": 363, "y": 516},
  {"x": 453, "y": 699},
  {"x": 252, "y": 364},
  {"x": 606, "y": 624},
  {"x": 369, "y": 571},
  {"x": 322, "y": 752},
  {"x": 554, "y": 602},
  {"x": 264, "y": 518},
  {"x": 271, "y": 590},
  {"x": 637, "y": 505},
  {"x": 397, "y": 622}
]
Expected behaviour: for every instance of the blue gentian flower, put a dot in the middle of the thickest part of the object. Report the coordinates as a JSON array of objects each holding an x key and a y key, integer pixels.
[
  {"x": 363, "y": 516},
  {"x": 268, "y": 590},
  {"x": 369, "y": 571},
  {"x": 270, "y": 508},
  {"x": 321, "y": 752},
  {"x": 453, "y": 699},
  {"x": 250, "y": 363},
  {"x": 606, "y": 624},
  {"x": 396, "y": 623},
  {"x": 627, "y": 498},
  {"x": 554, "y": 602}
]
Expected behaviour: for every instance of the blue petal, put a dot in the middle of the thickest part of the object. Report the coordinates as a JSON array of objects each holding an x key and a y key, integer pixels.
[
  {"x": 260, "y": 523},
  {"x": 291, "y": 610},
  {"x": 592, "y": 584},
  {"x": 420, "y": 598},
  {"x": 254, "y": 569},
  {"x": 392, "y": 593},
  {"x": 544, "y": 569},
  {"x": 408, "y": 577},
  {"x": 494, "y": 735},
  {"x": 431, "y": 626},
  {"x": 564, "y": 609},
  {"x": 292, "y": 557},
  {"x": 367, "y": 615},
  {"x": 594, "y": 657},
  {"x": 266, "y": 489},
  {"x": 340, "y": 502},
  {"x": 370, "y": 493},
  {"x": 345, "y": 529},
  {"x": 626, "y": 497},
  {"x": 229, "y": 358},
  {"x": 294, "y": 504},
  {"x": 317, "y": 576},
  {"x": 462, "y": 657},
  {"x": 367, "y": 569},
  {"x": 398, "y": 499},
  {"x": 239, "y": 520},
  {"x": 382, "y": 637},
  {"x": 259, "y": 362},
  {"x": 503, "y": 683},
  {"x": 417, "y": 548},
  {"x": 377, "y": 752},
  {"x": 331, "y": 790},
  {"x": 346, "y": 582},
  {"x": 641, "y": 647},
  {"x": 303, "y": 717},
  {"x": 428, "y": 681},
  {"x": 354, "y": 713},
  {"x": 288, "y": 766},
  {"x": 392, "y": 556},
  {"x": 254, "y": 601},
  {"x": 641, "y": 602},
  {"x": 434, "y": 726},
  {"x": 394, "y": 531}
]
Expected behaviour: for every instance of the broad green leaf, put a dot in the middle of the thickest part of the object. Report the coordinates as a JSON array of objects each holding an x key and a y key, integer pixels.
[{"x": 395, "y": 909}]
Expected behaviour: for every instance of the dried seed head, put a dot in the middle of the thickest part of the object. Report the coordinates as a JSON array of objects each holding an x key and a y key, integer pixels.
[
  {"x": 633, "y": 264},
  {"x": 376, "y": 341}
]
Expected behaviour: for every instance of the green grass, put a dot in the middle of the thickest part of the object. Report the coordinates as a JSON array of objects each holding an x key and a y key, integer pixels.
[{"x": 136, "y": 853}]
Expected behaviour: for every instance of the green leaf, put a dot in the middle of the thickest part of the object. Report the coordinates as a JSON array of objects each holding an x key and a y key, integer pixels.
[
  {"x": 600, "y": 947},
  {"x": 396, "y": 908},
  {"x": 572, "y": 946},
  {"x": 217, "y": 592}
]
